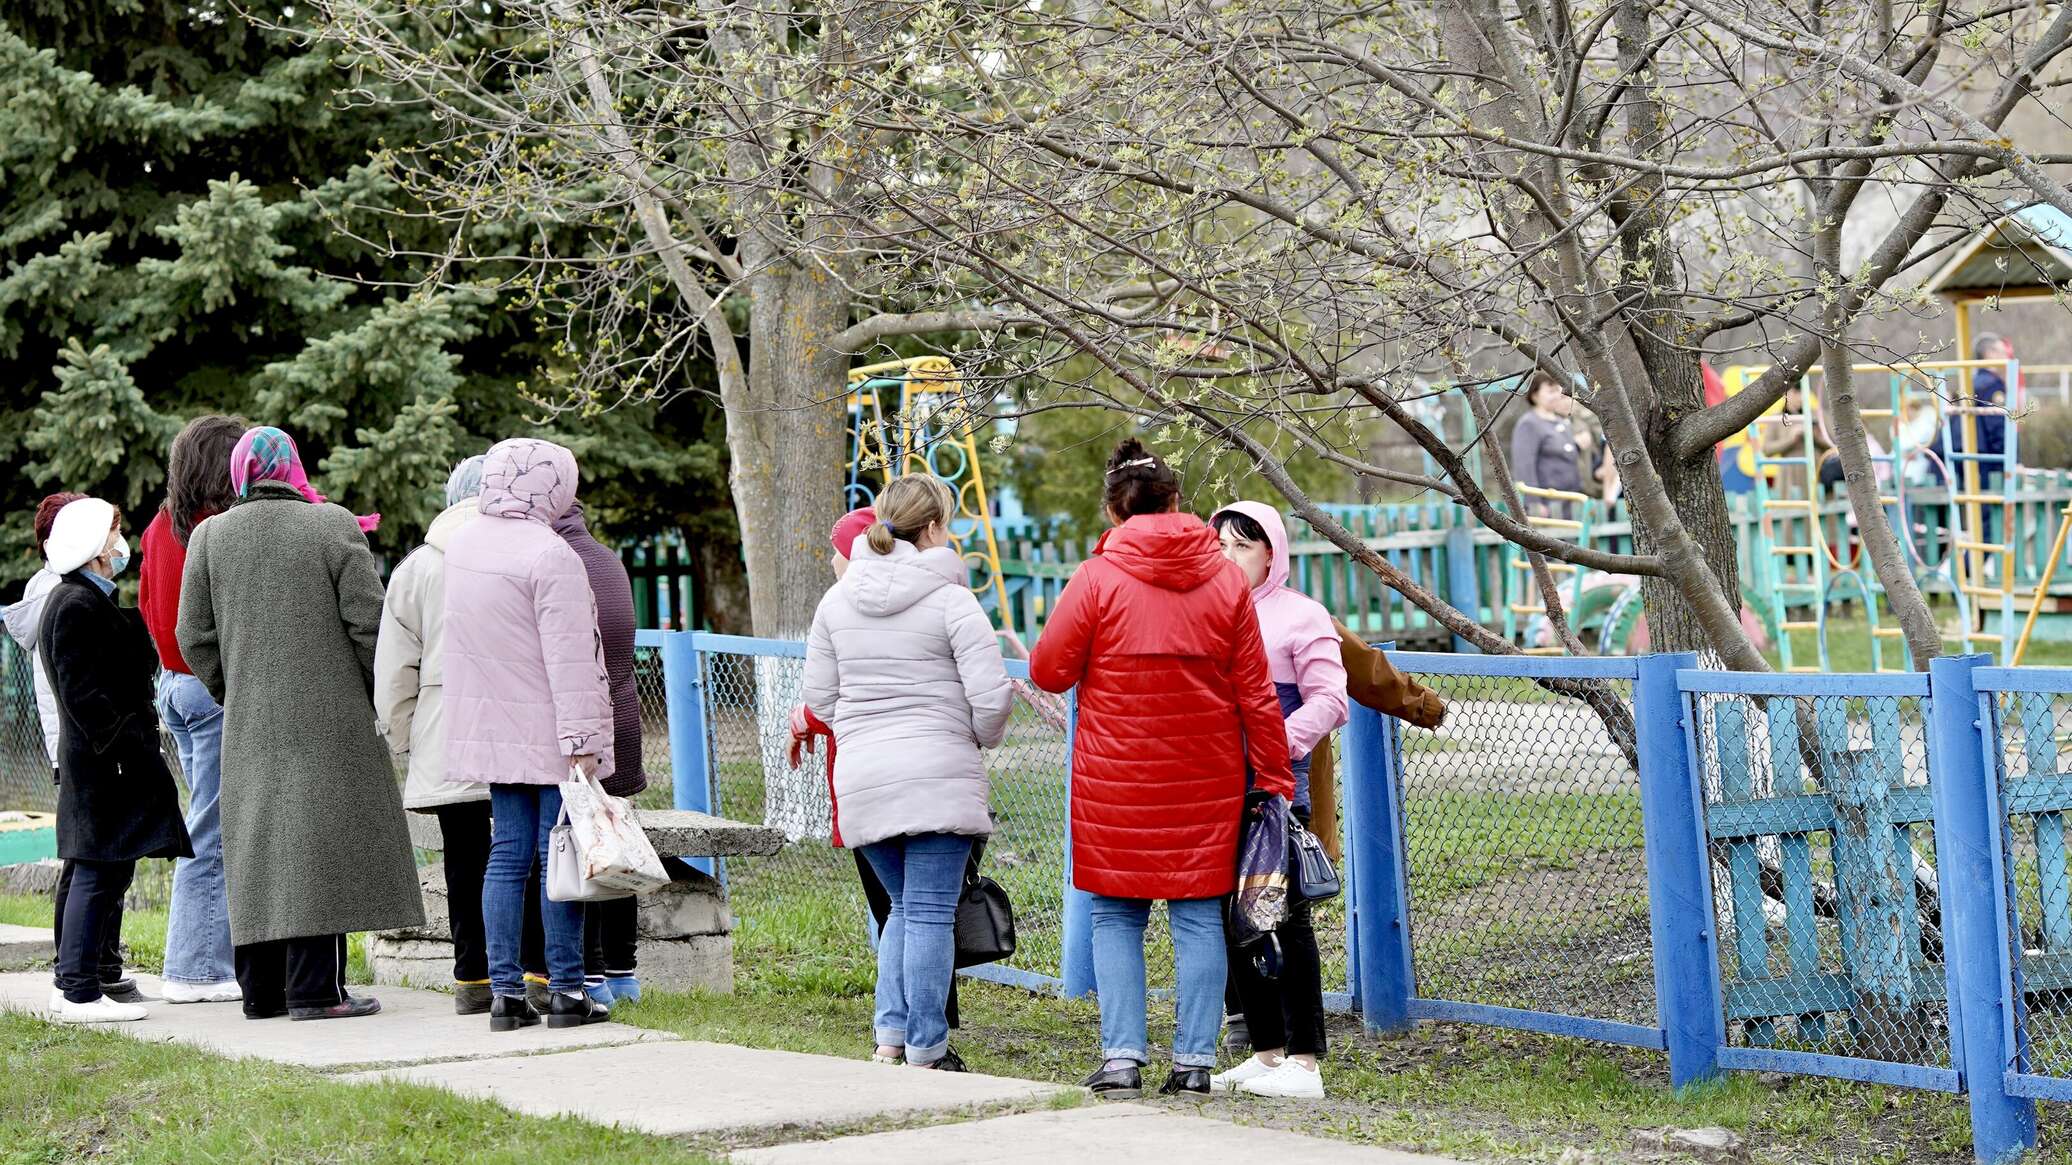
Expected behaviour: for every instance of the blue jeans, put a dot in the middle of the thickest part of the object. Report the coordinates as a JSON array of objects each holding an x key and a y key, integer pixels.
[
  {"x": 1197, "y": 925},
  {"x": 197, "y": 937},
  {"x": 917, "y": 949},
  {"x": 522, "y": 820}
]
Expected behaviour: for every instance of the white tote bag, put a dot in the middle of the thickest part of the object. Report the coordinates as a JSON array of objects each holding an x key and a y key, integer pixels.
[
  {"x": 610, "y": 848},
  {"x": 565, "y": 880}
]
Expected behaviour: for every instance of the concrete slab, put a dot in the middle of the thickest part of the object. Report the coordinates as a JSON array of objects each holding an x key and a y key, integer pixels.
[
  {"x": 26, "y": 946},
  {"x": 1098, "y": 1132},
  {"x": 414, "y": 1027},
  {"x": 690, "y": 1087}
]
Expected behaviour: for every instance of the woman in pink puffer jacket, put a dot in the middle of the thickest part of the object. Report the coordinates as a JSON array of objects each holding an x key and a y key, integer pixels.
[{"x": 526, "y": 697}]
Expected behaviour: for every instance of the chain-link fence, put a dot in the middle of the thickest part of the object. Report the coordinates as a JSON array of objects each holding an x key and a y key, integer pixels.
[
  {"x": 24, "y": 765},
  {"x": 1821, "y": 843},
  {"x": 1528, "y": 886},
  {"x": 2033, "y": 794}
]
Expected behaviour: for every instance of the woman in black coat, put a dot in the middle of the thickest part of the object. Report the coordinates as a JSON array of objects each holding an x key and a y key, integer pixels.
[{"x": 116, "y": 801}]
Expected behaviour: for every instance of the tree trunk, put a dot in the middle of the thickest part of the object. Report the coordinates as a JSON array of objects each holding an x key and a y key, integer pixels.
[
  {"x": 786, "y": 442},
  {"x": 1700, "y": 500}
]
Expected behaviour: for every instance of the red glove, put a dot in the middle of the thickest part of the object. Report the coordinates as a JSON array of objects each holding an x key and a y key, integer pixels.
[{"x": 804, "y": 726}]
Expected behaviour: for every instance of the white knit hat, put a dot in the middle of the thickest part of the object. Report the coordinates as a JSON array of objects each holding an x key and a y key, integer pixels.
[{"x": 78, "y": 534}]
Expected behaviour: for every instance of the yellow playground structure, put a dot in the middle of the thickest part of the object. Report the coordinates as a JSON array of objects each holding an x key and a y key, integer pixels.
[{"x": 928, "y": 428}]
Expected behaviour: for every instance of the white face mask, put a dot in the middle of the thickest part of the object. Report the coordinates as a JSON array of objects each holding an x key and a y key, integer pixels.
[{"x": 118, "y": 556}]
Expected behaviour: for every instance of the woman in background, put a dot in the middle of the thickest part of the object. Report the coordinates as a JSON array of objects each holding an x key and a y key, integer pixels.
[
  {"x": 528, "y": 699},
  {"x": 117, "y": 804},
  {"x": 199, "y": 965},
  {"x": 280, "y": 605},
  {"x": 1285, "y": 1013},
  {"x": 409, "y": 666}
]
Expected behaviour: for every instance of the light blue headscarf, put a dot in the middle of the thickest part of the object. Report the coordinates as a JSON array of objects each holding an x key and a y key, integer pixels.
[{"x": 466, "y": 480}]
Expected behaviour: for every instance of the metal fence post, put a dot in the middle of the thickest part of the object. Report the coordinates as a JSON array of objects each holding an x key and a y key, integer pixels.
[
  {"x": 690, "y": 770},
  {"x": 1076, "y": 928},
  {"x": 1381, "y": 939},
  {"x": 1679, "y": 880},
  {"x": 1974, "y": 904}
]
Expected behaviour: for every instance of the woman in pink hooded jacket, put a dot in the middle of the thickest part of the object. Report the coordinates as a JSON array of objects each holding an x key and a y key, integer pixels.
[
  {"x": 1285, "y": 1014},
  {"x": 526, "y": 697}
]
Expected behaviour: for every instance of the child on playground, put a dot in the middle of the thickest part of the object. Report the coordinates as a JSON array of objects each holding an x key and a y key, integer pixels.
[{"x": 1284, "y": 1014}]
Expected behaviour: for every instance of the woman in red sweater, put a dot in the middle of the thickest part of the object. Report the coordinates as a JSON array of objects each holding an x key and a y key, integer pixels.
[
  {"x": 1157, "y": 632},
  {"x": 198, "y": 965}
]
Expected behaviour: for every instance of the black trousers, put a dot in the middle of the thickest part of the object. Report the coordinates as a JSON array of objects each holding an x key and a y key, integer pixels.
[
  {"x": 466, "y": 829},
  {"x": 532, "y": 937},
  {"x": 91, "y": 912},
  {"x": 611, "y": 937},
  {"x": 110, "y": 959},
  {"x": 306, "y": 971},
  {"x": 880, "y": 904},
  {"x": 1287, "y": 1010}
]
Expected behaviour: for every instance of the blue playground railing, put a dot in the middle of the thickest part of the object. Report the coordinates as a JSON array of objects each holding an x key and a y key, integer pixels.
[{"x": 1857, "y": 876}]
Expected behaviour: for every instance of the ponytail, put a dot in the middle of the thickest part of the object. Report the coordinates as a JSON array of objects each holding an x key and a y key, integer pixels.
[{"x": 907, "y": 508}]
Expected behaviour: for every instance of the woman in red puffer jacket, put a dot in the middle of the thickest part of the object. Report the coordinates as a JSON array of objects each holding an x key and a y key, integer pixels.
[{"x": 1158, "y": 633}]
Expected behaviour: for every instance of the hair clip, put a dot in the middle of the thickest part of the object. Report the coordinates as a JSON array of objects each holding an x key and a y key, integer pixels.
[{"x": 1139, "y": 463}]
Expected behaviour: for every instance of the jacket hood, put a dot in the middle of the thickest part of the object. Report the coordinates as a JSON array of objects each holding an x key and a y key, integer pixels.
[
  {"x": 572, "y": 522},
  {"x": 1269, "y": 520},
  {"x": 1175, "y": 552},
  {"x": 886, "y": 584},
  {"x": 449, "y": 520},
  {"x": 526, "y": 477},
  {"x": 25, "y": 619}
]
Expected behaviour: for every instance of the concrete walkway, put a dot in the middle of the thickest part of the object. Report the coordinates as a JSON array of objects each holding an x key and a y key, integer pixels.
[{"x": 657, "y": 1083}]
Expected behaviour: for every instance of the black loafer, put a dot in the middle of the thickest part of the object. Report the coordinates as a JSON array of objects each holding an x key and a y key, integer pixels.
[
  {"x": 472, "y": 998},
  {"x": 950, "y": 1062},
  {"x": 508, "y": 1013},
  {"x": 1115, "y": 1083},
  {"x": 1185, "y": 1080},
  {"x": 265, "y": 1012},
  {"x": 353, "y": 1008},
  {"x": 566, "y": 1010}
]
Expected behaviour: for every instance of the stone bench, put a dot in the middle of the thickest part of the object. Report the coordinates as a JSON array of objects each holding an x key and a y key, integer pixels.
[{"x": 686, "y": 937}]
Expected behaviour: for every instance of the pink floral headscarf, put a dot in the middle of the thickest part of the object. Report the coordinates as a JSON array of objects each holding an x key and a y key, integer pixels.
[{"x": 267, "y": 454}]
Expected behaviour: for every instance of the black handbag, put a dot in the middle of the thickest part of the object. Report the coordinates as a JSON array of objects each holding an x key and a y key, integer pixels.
[
  {"x": 985, "y": 920},
  {"x": 1311, "y": 874}
]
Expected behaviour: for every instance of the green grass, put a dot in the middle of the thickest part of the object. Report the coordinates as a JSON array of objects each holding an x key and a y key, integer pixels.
[
  {"x": 1458, "y": 841},
  {"x": 1849, "y": 644},
  {"x": 76, "y": 1095}
]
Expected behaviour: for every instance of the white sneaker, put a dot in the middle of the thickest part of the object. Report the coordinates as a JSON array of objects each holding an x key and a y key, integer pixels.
[
  {"x": 102, "y": 1010},
  {"x": 1251, "y": 1069},
  {"x": 1290, "y": 1081},
  {"x": 225, "y": 992}
]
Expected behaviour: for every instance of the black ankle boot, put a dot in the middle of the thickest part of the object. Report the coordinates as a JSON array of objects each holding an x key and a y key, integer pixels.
[
  {"x": 566, "y": 1010},
  {"x": 508, "y": 1013}
]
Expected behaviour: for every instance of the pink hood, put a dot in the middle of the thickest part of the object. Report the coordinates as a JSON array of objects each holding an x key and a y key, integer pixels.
[{"x": 1302, "y": 647}]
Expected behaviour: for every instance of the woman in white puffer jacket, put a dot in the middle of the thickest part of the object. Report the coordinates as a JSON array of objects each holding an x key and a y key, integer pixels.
[
  {"x": 903, "y": 663},
  {"x": 408, "y": 674}
]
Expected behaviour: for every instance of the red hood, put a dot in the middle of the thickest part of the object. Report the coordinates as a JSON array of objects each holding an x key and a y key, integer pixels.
[{"x": 1177, "y": 551}]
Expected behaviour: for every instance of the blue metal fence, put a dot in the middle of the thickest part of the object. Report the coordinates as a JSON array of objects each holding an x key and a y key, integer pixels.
[{"x": 1857, "y": 876}]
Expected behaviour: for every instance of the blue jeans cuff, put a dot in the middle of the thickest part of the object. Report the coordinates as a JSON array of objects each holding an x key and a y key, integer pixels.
[
  {"x": 1135, "y": 1054},
  {"x": 1183, "y": 1060},
  {"x": 918, "y": 1056},
  {"x": 889, "y": 1037}
]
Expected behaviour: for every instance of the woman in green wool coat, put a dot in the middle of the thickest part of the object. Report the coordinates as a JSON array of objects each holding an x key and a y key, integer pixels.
[{"x": 280, "y": 605}]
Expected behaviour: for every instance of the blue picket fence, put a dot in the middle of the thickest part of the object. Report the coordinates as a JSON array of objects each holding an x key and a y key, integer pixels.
[{"x": 1856, "y": 876}]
